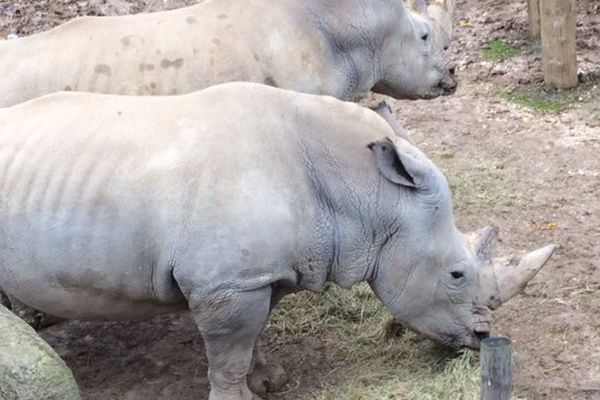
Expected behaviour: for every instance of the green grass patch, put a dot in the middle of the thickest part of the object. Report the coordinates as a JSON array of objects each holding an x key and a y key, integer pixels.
[
  {"x": 482, "y": 187},
  {"x": 500, "y": 50},
  {"x": 352, "y": 327},
  {"x": 535, "y": 103},
  {"x": 419, "y": 379}
]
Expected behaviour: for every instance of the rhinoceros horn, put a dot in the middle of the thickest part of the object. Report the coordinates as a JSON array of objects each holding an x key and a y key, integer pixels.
[
  {"x": 500, "y": 279},
  {"x": 418, "y": 6},
  {"x": 441, "y": 14}
]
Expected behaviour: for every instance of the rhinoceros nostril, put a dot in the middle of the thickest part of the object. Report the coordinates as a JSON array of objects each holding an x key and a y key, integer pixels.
[{"x": 452, "y": 71}]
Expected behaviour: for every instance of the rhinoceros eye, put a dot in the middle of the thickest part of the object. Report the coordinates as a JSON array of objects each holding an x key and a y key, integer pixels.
[
  {"x": 424, "y": 37},
  {"x": 457, "y": 274}
]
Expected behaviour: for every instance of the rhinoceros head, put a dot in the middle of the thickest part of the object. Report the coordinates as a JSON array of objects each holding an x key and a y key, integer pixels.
[
  {"x": 432, "y": 278},
  {"x": 413, "y": 61}
]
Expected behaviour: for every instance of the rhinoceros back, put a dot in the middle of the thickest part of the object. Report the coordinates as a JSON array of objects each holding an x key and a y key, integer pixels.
[{"x": 165, "y": 53}]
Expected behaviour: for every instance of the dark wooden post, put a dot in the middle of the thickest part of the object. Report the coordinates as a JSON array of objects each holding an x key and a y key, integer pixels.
[
  {"x": 558, "y": 42},
  {"x": 496, "y": 368}
]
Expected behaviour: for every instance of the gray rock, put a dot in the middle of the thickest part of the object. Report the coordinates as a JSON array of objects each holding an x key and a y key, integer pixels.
[{"x": 29, "y": 368}]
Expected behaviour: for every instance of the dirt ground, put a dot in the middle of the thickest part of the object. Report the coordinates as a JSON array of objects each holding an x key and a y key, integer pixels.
[{"x": 534, "y": 174}]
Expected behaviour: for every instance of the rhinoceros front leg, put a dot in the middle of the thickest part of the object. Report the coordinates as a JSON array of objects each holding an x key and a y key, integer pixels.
[
  {"x": 230, "y": 323},
  {"x": 267, "y": 376}
]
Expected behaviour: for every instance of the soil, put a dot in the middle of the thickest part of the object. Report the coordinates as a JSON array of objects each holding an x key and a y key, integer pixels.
[{"x": 537, "y": 180}]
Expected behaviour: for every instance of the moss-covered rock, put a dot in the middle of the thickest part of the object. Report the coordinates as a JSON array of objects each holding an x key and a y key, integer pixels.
[{"x": 29, "y": 368}]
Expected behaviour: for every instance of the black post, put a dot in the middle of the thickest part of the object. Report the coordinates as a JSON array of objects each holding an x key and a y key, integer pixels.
[{"x": 496, "y": 368}]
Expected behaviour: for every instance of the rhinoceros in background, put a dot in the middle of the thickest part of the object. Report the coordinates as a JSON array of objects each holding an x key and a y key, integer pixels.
[
  {"x": 116, "y": 207},
  {"x": 441, "y": 15},
  {"x": 342, "y": 48}
]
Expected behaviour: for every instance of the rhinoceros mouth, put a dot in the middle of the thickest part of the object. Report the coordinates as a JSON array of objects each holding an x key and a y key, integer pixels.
[{"x": 470, "y": 340}]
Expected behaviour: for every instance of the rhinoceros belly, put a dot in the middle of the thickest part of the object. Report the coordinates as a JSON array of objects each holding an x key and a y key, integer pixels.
[{"x": 84, "y": 272}]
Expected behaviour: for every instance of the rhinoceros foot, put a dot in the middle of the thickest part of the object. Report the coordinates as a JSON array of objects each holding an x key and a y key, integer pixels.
[
  {"x": 266, "y": 378},
  {"x": 395, "y": 328}
]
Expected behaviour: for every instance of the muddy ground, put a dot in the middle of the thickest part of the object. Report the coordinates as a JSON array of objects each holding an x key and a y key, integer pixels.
[{"x": 532, "y": 173}]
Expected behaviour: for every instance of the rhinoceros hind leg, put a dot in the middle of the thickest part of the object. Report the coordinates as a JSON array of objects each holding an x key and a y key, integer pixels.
[
  {"x": 230, "y": 323},
  {"x": 265, "y": 377},
  {"x": 36, "y": 319}
]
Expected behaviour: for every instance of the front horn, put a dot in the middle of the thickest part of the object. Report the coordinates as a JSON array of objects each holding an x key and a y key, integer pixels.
[{"x": 499, "y": 280}]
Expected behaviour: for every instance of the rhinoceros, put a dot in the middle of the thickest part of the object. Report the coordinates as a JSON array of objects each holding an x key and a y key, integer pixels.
[
  {"x": 342, "y": 48},
  {"x": 224, "y": 201}
]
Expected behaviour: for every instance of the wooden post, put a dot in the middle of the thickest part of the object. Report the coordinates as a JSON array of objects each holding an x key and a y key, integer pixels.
[
  {"x": 496, "y": 368},
  {"x": 558, "y": 42},
  {"x": 533, "y": 9}
]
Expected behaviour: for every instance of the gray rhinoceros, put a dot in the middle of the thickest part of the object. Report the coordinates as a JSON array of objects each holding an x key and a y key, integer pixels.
[
  {"x": 223, "y": 201},
  {"x": 342, "y": 48}
]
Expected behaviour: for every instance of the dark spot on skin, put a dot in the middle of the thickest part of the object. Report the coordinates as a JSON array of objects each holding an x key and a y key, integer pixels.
[
  {"x": 270, "y": 81},
  {"x": 146, "y": 67},
  {"x": 119, "y": 113},
  {"x": 191, "y": 20},
  {"x": 228, "y": 26},
  {"x": 256, "y": 57},
  {"x": 245, "y": 252},
  {"x": 153, "y": 85},
  {"x": 196, "y": 51},
  {"x": 103, "y": 69},
  {"x": 126, "y": 40},
  {"x": 216, "y": 41},
  {"x": 222, "y": 16},
  {"x": 158, "y": 52},
  {"x": 68, "y": 88},
  {"x": 212, "y": 62},
  {"x": 177, "y": 63}
]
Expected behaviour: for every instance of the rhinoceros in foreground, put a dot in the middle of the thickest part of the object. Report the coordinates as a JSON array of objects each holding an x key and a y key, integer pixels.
[
  {"x": 223, "y": 201},
  {"x": 342, "y": 48}
]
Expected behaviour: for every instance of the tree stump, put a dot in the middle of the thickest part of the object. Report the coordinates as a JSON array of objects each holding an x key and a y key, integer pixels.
[{"x": 558, "y": 42}]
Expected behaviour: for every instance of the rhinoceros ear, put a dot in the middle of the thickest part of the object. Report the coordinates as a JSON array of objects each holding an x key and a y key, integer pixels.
[{"x": 399, "y": 168}]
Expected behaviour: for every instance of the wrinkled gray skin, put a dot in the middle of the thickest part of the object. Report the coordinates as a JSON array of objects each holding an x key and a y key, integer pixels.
[
  {"x": 342, "y": 48},
  {"x": 116, "y": 207}
]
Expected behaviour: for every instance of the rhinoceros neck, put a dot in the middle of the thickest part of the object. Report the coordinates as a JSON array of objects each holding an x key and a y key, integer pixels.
[
  {"x": 354, "y": 32},
  {"x": 345, "y": 189}
]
